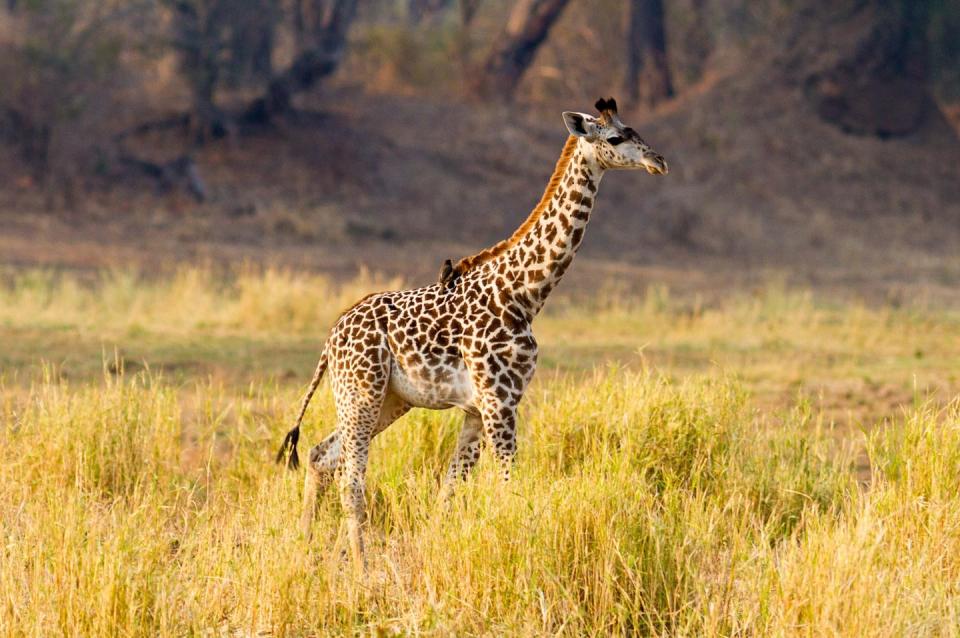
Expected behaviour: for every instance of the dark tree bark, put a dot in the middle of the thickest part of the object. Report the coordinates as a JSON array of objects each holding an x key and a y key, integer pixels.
[
  {"x": 307, "y": 69},
  {"x": 180, "y": 172},
  {"x": 198, "y": 29},
  {"x": 252, "y": 40},
  {"x": 527, "y": 28},
  {"x": 31, "y": 138},
  {"x": 648, "y": 78},
  {"x": 467, "y": 11},
  {"x": 877, "y": 83},
  {"x": 699, "y": 41},
  {"x": 323, "y": 34},
  {"x": 420, "y": 10},
  {"x": 202, "y": 29}
]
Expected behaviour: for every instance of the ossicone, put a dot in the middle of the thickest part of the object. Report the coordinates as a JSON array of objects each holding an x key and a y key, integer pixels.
[{"x": 608, "y": 104}]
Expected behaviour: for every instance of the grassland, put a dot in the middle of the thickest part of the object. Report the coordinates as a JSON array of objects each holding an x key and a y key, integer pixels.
[{"x": 775, "y": 464}]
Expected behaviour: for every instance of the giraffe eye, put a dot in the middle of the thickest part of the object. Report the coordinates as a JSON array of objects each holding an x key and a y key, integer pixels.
[{"x": 616, "y": 139}]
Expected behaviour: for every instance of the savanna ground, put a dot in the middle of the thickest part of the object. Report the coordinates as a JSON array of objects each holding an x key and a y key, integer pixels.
[{"x": 772, "y": 463}]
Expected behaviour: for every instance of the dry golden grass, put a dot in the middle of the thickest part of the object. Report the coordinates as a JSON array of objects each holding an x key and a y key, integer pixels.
[{"x": 671, "y": 493}]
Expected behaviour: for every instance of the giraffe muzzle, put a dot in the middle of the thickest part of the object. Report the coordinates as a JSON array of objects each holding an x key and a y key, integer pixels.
[{"x": 655, "y": 164}]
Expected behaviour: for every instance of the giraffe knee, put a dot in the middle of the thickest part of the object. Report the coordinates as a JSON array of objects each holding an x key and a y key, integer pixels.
[{"x": 325, "y": 456}]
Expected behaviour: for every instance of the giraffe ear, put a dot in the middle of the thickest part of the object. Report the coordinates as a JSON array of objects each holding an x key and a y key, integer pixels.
[{"x": 580, "y": 124}]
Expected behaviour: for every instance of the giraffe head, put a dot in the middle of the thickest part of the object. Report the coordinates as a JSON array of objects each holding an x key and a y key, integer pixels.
[{"x": 615, "y": 144}]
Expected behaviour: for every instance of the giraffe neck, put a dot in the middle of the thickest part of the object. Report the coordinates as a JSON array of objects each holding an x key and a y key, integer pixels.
[{"x": 544, "y": 246}]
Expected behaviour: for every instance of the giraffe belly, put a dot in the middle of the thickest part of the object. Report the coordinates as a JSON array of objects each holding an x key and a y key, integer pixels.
[{"x": 436, "y": 387}]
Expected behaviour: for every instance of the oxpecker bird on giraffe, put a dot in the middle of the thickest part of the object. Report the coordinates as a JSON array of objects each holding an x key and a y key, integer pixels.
[{"x": 466, "y": 341}]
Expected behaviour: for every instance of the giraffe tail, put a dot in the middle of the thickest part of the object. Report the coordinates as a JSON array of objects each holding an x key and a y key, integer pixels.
[{"x": 293, "y": 436}]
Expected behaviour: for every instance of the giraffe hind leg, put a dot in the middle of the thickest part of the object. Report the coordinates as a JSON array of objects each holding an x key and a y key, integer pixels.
[
  {"x": 356, "y": 437},
  {"x": 321, "y": 470},
  {"x": 359, "y": 425},
  {"x": 325, "y": 460}
]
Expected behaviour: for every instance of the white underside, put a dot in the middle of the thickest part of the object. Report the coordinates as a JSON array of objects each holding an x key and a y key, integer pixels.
[{"x": 424, "y": 393}]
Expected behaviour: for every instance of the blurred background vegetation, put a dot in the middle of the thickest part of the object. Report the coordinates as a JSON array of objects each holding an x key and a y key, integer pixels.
[{"x": 140, "y": 130}]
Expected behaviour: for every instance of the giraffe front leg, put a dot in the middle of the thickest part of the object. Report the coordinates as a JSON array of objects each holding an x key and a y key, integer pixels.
[
  {"x": 500, "y": 432},
  {"x": 469, "y": 444},
  {"x": 500, "y": 380}
]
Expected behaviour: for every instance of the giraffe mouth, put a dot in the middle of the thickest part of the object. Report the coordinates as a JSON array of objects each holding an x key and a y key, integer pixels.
[{"x": 655, "y": 165}]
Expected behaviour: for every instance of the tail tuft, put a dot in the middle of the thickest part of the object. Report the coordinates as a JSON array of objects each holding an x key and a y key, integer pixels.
[{"x": 293, "y": 436}]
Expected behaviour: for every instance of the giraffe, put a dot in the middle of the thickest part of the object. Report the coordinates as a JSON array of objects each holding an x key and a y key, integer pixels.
[{"x": 465, "y": 341}]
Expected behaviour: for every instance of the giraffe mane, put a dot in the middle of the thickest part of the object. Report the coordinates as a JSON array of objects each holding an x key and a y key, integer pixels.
[{"x": 473, "y": 261}]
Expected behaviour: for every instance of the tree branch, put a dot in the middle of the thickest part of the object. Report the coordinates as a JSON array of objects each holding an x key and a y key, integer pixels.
[{"x": 526, "y": 29}]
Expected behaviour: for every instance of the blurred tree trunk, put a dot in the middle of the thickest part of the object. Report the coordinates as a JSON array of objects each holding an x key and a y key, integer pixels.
[
  {"x": 648, "y": 74},
  {"x": 527, "y": 28},
  {"x": 420, "y": 10},
  {"x": 875, "y": 80},
  {"x": 468, "y": 10},
  {"x": 212, "y": 35},
  {"x": 322, "y": 27},
  {"x": 197, "y": 37},
  {"x": 31, "y": 138},
  {"x": 252, "y": 41},
  {"x": 699, "y": 38}
]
